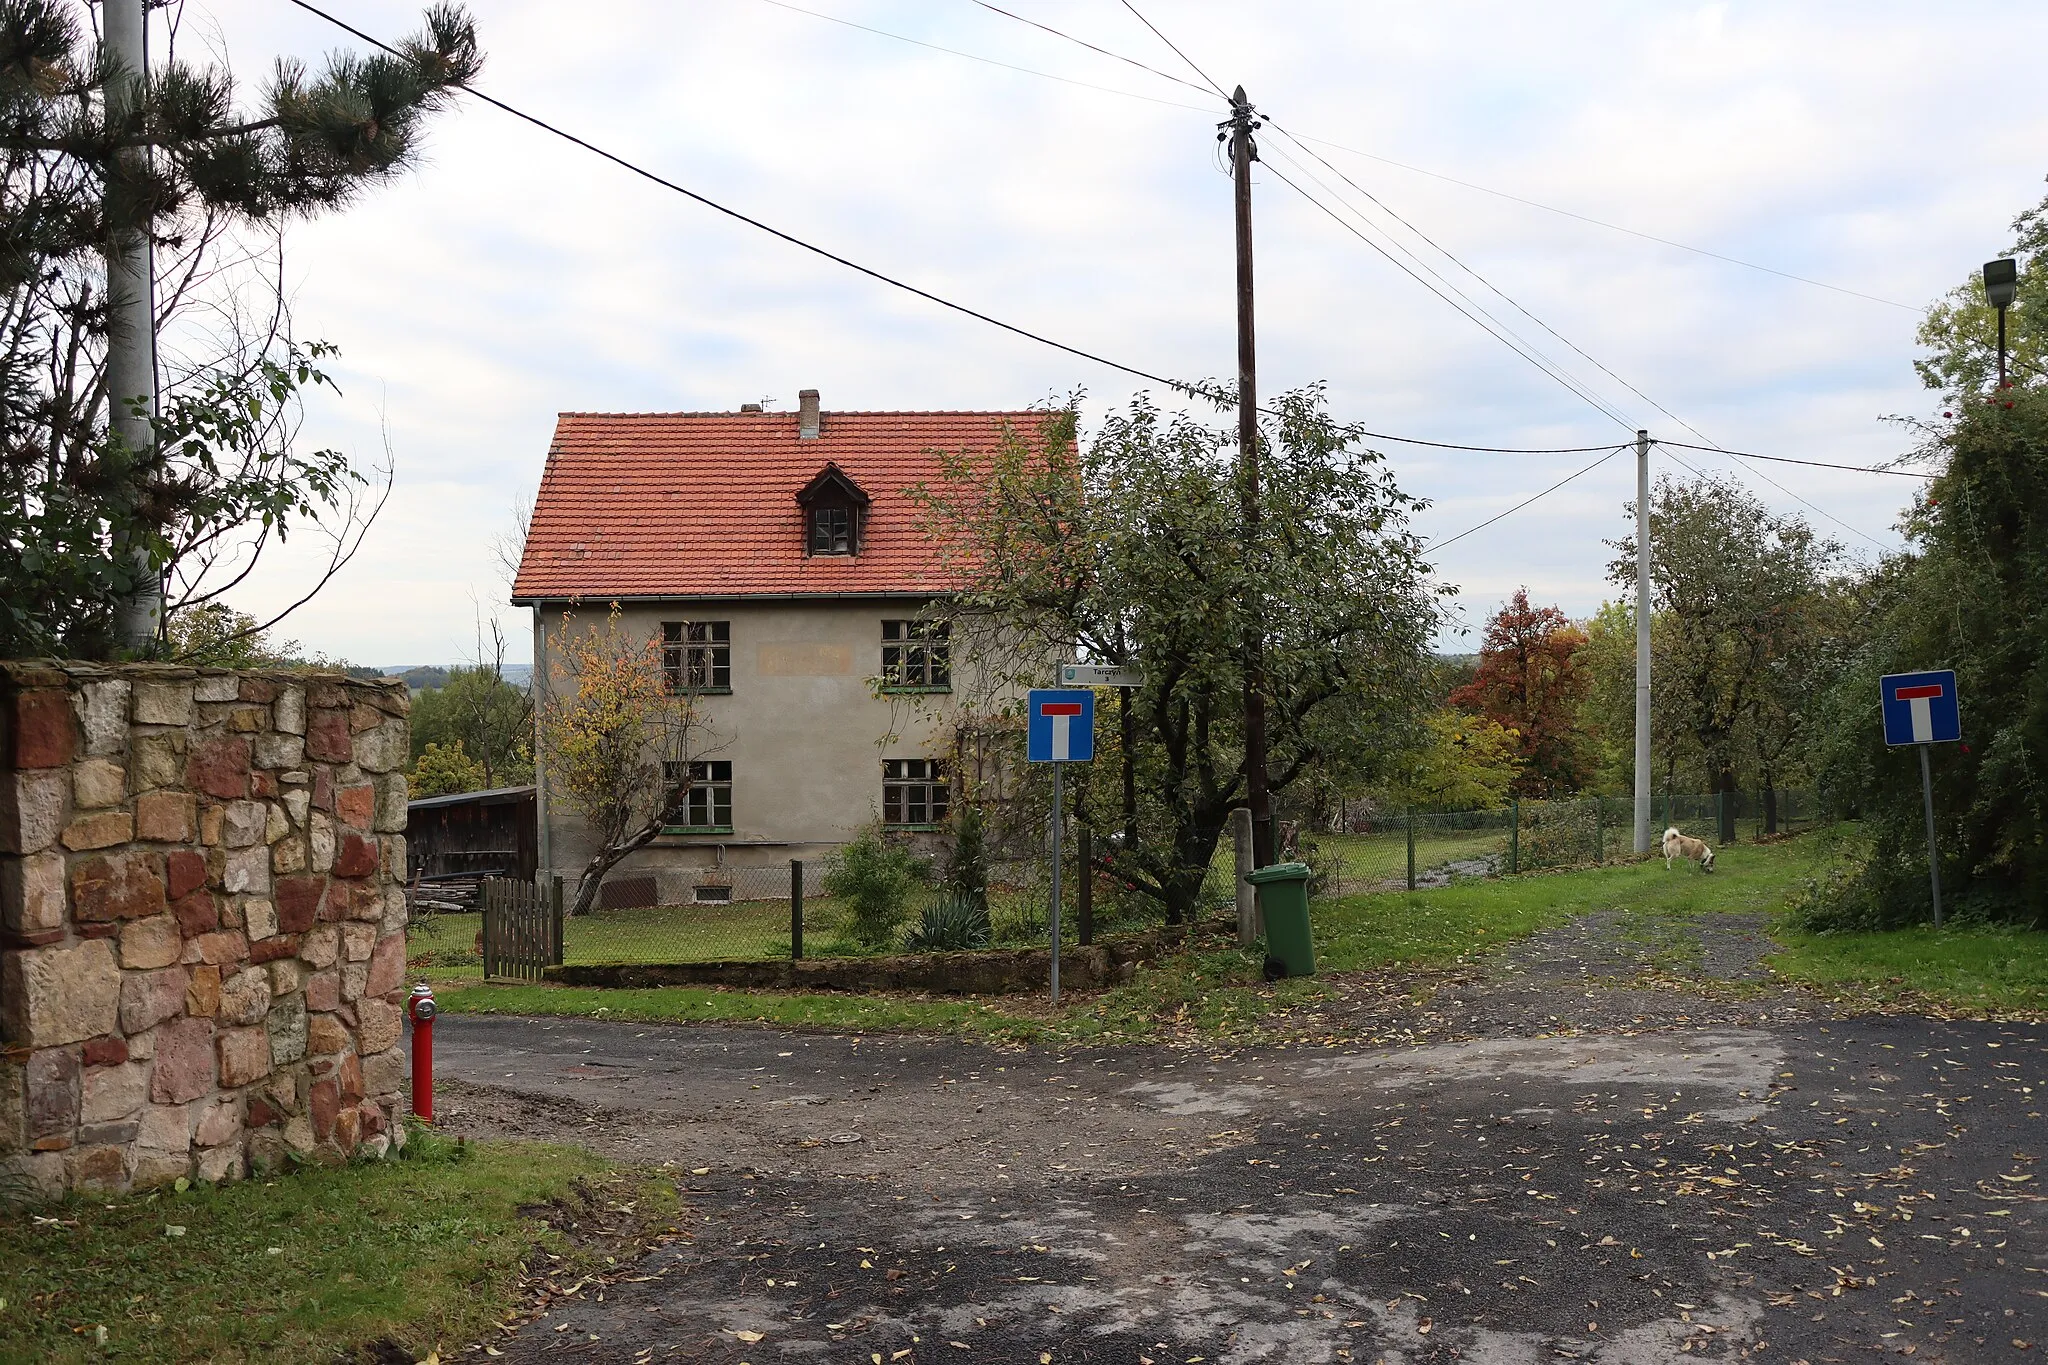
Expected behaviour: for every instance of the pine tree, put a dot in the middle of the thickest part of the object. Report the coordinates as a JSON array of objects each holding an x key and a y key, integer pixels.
[{"x": 99, "y": 165}]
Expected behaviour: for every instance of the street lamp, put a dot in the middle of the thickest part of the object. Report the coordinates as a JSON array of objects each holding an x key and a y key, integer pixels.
[{"x": 2001, "y": 286}]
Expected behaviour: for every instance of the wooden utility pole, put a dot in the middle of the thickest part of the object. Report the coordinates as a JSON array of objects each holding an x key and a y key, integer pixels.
[{"x": 1243, "y": 152}]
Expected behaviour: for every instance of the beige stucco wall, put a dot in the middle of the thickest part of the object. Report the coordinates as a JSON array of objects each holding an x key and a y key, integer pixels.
[{"x": 802, "y": 728}]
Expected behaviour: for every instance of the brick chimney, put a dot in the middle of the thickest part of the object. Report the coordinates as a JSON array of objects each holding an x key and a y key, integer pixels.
[{"x": 807, "y": 415}]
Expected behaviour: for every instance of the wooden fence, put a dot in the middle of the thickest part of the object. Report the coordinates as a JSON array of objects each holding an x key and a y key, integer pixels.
[{"x": 522, "y": 927}]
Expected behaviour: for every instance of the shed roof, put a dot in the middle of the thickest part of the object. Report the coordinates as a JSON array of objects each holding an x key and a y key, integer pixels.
[{"x": 494, "y": 796}]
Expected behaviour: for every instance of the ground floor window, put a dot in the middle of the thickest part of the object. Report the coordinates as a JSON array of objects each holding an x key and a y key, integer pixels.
[
  {"x": 706, "y": 802},
  {"x": 913, "y": 791}
]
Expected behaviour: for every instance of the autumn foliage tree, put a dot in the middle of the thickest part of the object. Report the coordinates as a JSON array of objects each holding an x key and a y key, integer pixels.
[
  {"x": 616, "y": 741},
  {"x": 1529, "y": 682}
]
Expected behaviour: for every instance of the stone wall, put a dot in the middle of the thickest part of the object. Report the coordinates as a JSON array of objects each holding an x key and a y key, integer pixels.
[{"x": 202, "y": 920}]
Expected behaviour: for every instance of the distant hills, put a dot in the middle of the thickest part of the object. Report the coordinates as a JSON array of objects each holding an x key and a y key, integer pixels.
[{"x": 425, "y": 677}]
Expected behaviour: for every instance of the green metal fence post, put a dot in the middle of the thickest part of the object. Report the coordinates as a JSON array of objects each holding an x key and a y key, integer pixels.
[
  {"x": 487, "y": 902},
  {"x": 1084, "y": 887},
  {"x": 555, "y": 922},
  {"x": 1411, "y": 848},
  {"x": 1599, "y": 831},
  {"x": 1515, "y": 837},
  {"x": 796, "y": 909}
]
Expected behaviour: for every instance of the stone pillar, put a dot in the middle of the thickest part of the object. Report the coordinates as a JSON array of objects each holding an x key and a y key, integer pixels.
[{"x": 202, "y": 915}]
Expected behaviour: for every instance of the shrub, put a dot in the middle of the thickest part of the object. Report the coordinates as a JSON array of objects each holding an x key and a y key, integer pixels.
[
  {"x": 967, "y": 863},
  {"x": 951, "y": 923},
  {"x": 1841, "y": 900},
  {"x": 1555, "y": 834},
  {"x": 1325, "y": 868},
  {"x": 877, "y": 881}
]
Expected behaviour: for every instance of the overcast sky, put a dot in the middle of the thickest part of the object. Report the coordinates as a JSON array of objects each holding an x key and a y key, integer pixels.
[{"x": 1882, "y": 147}]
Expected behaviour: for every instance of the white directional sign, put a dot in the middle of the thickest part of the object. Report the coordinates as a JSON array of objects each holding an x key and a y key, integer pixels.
[{"x": 1100, "y": 675}]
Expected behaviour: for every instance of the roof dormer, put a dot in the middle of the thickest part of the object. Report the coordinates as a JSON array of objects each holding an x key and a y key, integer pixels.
[{"x": 834, "y": 506}]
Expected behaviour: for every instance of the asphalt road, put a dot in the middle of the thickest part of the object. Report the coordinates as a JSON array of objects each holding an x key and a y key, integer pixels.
[{"x": 1813, "y": 1190}]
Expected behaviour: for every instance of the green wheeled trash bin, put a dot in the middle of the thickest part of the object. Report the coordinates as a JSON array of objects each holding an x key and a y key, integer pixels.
[{"x": 1283, "y": 901}]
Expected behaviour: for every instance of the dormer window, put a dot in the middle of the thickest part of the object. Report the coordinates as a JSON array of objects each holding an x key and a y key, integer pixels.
[
  {"x": 831, "y": 530},
  {"x": 834, "y": 508}
]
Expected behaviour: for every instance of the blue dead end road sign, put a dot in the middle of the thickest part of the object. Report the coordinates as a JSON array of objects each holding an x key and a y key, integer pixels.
[
  {"x": 1921, "y": 708},
  {"x": 1061, "y": 725}
]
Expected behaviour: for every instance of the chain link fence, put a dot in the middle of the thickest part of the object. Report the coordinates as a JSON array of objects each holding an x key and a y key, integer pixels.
[
  {"x": 1425, "y": 848},
  {"x": 782, "y": 910}
]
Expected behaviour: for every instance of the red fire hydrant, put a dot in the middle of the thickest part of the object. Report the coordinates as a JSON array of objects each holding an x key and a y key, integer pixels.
[{"x": 420, "y": 1009}]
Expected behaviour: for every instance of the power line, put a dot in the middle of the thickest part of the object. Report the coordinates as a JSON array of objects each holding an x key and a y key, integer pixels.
[
  {"x": 1467, "y": 184},
  {"x": 1176, "y": 50},
  {"x": 1473, "y": 316},
  {"x": 1448, "y": 254},
  {"x": 1710, "y": 446},
  {"x": 1534, "y": 497},
  {"x": 1817, "y": 464},
  {"x": 1485, "y": 450},
  {"x": 1113, "y": 56},
  {"x": 1177, "y": 385},
  {"x": 1803, "y": 502},
  {"x": 1469, "y": 307},
  {"x": 1529, "y": 353},
  {"x": 988, "y": 61},
  {"x": 1181, "y": 386},
  {"x": 1616, "y": 227}
]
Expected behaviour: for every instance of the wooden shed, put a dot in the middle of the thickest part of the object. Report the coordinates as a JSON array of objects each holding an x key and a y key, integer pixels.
[{"x": 472, "y": 834}]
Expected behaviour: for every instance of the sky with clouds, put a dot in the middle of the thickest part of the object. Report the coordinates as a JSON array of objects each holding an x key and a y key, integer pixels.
[{"x": 1882, "y": 147}]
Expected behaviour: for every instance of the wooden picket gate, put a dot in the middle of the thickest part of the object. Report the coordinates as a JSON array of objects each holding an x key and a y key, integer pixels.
[{"x": 522, "y": 927}]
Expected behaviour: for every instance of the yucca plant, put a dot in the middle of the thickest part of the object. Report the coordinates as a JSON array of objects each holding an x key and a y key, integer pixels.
[{"x": 950, "y": 924}]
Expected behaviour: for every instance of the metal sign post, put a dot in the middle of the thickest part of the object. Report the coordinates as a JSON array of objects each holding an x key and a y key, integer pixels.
[
  {"x": 1923, "y": 709},
  {"x": 1059, "y": 729},
  {"x": 1057, "y": 773}
]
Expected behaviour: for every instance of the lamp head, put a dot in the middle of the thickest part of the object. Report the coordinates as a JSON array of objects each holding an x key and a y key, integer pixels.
[{"x": 2001, "y": 281}]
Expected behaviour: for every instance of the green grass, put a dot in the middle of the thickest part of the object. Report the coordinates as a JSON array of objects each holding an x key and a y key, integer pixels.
[
  {"x": 1214, "y": 990},
  {"x": 1368, "y": 858},
  {"x": 703, "y": 1004},
  {"x": 1427, "y": 928},
  {"x": 315, "y": 1264},
  {"x": 444, "y": 945},
  {"x": 1971, "y": 969}
]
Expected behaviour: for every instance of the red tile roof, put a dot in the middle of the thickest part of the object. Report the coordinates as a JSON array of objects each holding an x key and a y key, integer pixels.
[{"x": 703, "y": 504}]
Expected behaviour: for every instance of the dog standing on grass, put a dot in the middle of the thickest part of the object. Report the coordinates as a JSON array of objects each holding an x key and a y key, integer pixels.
[{"x": 1677, "y": 845}]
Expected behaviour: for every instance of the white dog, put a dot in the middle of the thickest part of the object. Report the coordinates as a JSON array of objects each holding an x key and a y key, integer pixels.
[{"x": 1677, "y": 845}]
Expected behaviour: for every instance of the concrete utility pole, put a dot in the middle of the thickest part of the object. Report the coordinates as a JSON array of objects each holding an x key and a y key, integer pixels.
[
  {"x": 131, "y": 306},
  {"x": 1258, "y": 796},
  {"x": 1642, "y": 840}
]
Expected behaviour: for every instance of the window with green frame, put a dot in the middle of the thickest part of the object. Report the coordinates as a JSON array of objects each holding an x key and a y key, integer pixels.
[
  {"x": 706, "y": 802},
  {"x": 914, "y": 792},
  {"x": 696, "y": 656},
  {"x": 917, "y": 654}
]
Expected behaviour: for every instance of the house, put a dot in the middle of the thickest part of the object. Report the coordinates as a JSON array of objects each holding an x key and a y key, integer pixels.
[{"x": 787, "y": 573}]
